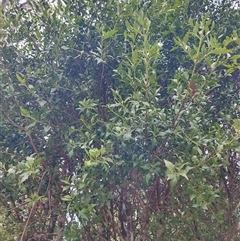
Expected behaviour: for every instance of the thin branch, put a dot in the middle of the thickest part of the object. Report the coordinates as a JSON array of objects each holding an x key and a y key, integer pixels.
[
  {"x": 32, "y": 209},
  {"x": 11, "y": 121}
]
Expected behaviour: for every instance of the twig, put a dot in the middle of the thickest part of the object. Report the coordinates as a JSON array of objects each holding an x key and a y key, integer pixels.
[{"x": 32, "y": 209}]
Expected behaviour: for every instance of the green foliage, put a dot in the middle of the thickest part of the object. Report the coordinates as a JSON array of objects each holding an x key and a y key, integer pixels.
[{"x": 120, "y": 121}]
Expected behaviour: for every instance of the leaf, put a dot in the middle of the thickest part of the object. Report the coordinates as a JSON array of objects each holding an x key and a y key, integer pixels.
[
  {"x": 65, "y": 48},
  {"x": 83, "y": 214},
  {"x": 192, "y": 196},
  {"x": 20, "y": 79},
  {"x": 148, "y": 177},
  {"x": 236, "y": 125},
  {"x": 67, "y": 198},
  {"x": 221, "y": 51},
  {"x": 183, "y": 173},
  {"x": 84, "y": 176},
  {"x": 24, "y": 111},
  {"x": 109, "y": 34},
  {"x": 169, "y": 166},
  {"x": 186, "y": 37},
  {"x": 42, "y": 102},
  {"x": 173, "y": 182},
  {"x": 70, "y": 153},
  {"x": 11, "y": 170},
  {"x": 135, "y": 57},
  {"x": 24, "y": 176},
  {"x": 128, "y": 25},
  {"x": 171, "y": 176},
  {"x": 87, "y": 163},
  {"x": 99, "y": 60},
  {"x": 30, "y": 126},
  {"x": 38, "y": 34},
  {"x": 127, "y": 136},
  {"x": 94, "y": 153},
  {"x": 65, "y": 181}
]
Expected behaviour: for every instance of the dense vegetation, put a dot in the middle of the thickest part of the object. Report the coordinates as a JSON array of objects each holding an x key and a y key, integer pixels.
[{"x": 119, "y": 120}]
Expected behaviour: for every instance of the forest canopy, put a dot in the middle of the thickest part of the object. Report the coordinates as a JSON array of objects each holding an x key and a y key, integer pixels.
[{"x": 119, "y": 120}]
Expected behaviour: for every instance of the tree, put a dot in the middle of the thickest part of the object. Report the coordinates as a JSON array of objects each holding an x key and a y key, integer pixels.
[{"x": 120, "y": 121}]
